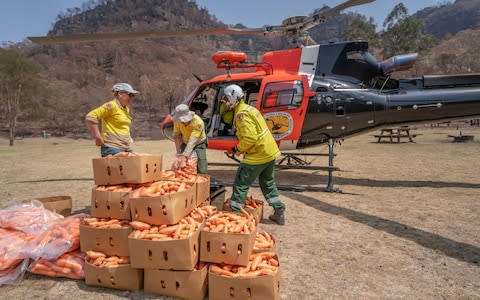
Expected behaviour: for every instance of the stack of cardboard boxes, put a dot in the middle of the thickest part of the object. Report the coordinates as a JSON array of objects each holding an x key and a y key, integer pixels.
[
  {"x": 115, "y": 205},
  {"x": 177, "y": 267}
]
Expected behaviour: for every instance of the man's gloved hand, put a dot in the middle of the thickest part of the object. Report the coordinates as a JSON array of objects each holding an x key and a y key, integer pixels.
[
  {"x": 234, "y": 150},
  {"x": 179, "y": 163}
]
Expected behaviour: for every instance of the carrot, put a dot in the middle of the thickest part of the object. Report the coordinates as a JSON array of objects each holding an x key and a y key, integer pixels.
[
  {"x": 76, "y": 267},
  {"x": 48, "y": 273},
  {"x": 95, "y": 254},
  {"x": 217, "y": 270},
  {"x": 140, "y": 225}
]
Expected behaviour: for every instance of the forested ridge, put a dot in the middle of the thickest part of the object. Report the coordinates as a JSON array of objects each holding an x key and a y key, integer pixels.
[{"x": 77, "y": 77}]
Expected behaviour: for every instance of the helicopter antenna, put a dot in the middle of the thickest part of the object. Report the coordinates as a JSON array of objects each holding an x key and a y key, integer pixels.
[{"x": 197, "y": 77}]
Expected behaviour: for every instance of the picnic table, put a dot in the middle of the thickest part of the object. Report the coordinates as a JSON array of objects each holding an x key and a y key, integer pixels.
[
  {"x": 461, "y": 138},
  {"x": 395, "y": 134}
]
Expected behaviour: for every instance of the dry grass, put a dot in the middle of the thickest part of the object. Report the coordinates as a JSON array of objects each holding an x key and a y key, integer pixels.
[{"x": 406, "y": 225}]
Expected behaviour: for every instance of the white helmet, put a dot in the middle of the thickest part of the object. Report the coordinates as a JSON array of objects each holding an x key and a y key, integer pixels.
[
  {"x": 233, "y": 93},
  {"x": 124, "y": 87}
]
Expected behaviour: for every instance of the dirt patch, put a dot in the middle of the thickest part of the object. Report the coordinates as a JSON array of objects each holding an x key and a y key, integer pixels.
[{"x": 406, "y": 225}]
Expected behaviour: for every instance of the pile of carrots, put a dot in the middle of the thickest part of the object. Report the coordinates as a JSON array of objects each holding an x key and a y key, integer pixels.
[
  {"x": 160, "y": 188},
  {"x": 30, "y": 217},
  {"x": 263, "y": 263},
  {"x": 263, "y": 241},
  {"x": 48, "y": 248},
  {"x": 229, "y": 222},
  {"x": 182, "y": 230},
  {"x": 100, "y": 259},
  {"x": 10, "y": 241},
  {"x": 165, "y": 232},
  {"x": 201, "y": 213},
  {"x": 179, "y": 175},
  {"x": 250, "y": 202},
  {"x": 128, "y": 154},
  {"x": 105, "y": 223},
  {"x": 119, "y": 188},
  {"x": 63, "y": 236},
  {"x": 70, "y": 265}
]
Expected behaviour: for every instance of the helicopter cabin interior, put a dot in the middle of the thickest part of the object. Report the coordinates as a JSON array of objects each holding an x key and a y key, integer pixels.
[{"x": 207, "y": 103}]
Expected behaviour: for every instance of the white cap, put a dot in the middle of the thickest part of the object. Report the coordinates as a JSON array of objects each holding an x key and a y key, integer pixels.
[
  {"x": 124, "y": 87},
  {"x": 183, "y": 113}
]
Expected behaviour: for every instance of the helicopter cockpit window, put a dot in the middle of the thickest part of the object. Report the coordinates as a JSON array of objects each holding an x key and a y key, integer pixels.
[{"x": 287, "y": 93}]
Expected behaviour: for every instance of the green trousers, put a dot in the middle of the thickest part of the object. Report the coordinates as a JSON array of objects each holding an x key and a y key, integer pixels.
[
  {"x": 201, "y": 150},
  {"x": 246, "y": 175}
]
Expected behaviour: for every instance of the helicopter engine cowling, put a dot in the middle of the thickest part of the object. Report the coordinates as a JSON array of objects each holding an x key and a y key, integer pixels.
[{"x": 398, "y": 63}]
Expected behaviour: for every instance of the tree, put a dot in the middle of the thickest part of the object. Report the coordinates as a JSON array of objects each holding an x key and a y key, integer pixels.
[
  {"x": 361, "y": 29},
  {"x": 19, "y": 81},
  {"x": 404, "y": 33}
]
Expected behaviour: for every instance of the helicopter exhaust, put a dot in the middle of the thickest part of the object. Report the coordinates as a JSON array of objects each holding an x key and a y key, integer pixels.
[{"x": 398, "y": 63}]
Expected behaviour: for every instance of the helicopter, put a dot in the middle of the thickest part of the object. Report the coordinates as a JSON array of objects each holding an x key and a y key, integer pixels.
[{"x": 311, "y": 93}]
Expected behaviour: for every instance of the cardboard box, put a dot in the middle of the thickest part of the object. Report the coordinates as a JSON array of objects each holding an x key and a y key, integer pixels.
[
  {"x": 169, "y": 254},
  {"x": 122, "y": 277},
  {"x": 203, "y": 189},
  {"x": 167, "y": 209},
  {"x": 106, "y": 204},
  {"x": 111, "y": 241},
  {"x": 132, "y": 169},
  {"x": 190, "y": 285},
  {"x": 229, "y": 248},
  {"x": 253, "y": 288},
  {"x": 58, "y": 204}
]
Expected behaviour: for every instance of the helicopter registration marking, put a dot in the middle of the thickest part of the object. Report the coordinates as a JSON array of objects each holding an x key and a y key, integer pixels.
[{"x": 279, "y": 123}]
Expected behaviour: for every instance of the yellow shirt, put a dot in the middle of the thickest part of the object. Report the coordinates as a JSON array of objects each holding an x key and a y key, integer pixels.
[
  {"x": 227, "y": 116},
  {"x": 196, "y": 128},
  {"x": 256, "y": 142},
  {"x": 115, "y": 121}
]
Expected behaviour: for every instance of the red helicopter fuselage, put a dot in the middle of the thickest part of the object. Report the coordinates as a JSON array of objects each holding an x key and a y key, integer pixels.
[{"x": 311, "y": 94}]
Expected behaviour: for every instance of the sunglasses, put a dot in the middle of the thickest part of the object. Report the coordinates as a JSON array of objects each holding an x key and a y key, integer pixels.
[{"x": 129, "y": 94}]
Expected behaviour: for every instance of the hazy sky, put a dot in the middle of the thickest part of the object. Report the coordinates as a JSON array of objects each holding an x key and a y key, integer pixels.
[{"x": 22, "y": 18}]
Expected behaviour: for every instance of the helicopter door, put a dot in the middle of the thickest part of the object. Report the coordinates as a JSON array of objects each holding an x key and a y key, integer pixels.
[
  {"x": 352, "y": 112},
  {"x": 283, "y": 105}
]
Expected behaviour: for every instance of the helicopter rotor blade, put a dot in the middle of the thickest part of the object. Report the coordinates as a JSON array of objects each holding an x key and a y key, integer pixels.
[
  {"x": 305, "y": 23},
  {"x": 92, "y": 37},
  {"x": 321, "y": 17},
  {"x": 343, "y": 6}
]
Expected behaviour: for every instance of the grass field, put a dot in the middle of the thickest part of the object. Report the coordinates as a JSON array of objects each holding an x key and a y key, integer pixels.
[{"x": 405, "y": 227}]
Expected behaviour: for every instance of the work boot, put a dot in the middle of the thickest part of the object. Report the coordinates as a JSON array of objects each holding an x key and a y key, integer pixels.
[{"x": 278, "y": 216}]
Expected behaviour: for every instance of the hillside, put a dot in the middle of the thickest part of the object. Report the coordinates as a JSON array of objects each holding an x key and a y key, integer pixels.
[
  {"x": 80, "y": 75},
  {"x": 451, "y": 18}
]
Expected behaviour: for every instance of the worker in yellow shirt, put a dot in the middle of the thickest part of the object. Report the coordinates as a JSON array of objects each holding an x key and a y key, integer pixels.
[
  {"x": 226, "y": 117},
  {"x": 115, "y": 119},
  {"x": 259, "y": 150},
  {"x": 189, "y": 136}
]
